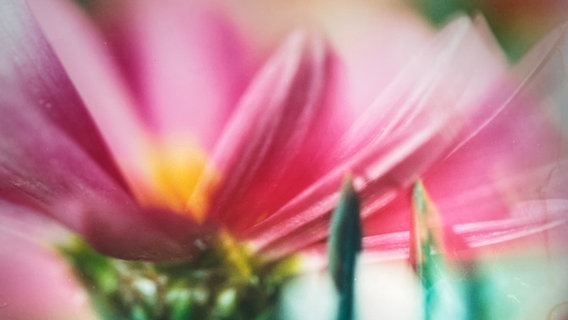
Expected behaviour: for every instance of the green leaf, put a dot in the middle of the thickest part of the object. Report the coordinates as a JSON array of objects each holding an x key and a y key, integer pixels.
[
  {"x": 226, "y": 281},
  {"x": 426, "y": 237},
  {"x": 344, "y": 244},
  {"x": 442, "y": 292}
]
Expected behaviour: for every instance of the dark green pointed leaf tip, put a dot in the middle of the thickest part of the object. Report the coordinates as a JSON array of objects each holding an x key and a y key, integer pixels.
[{"x": 344, "y": 244}]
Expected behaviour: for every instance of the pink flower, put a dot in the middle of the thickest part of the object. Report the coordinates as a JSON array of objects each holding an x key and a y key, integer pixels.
[{"x": 164, "y": 122}]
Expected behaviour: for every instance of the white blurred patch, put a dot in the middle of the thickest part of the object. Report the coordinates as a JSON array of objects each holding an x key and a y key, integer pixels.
[{"x": 386, "y": 290}]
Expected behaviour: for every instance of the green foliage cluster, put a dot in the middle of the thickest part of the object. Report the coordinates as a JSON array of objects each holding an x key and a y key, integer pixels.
[{"x": 223, "y": 282}]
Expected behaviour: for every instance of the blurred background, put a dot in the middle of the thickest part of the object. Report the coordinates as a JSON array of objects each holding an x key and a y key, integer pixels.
[{"x": 517, "y": 24}]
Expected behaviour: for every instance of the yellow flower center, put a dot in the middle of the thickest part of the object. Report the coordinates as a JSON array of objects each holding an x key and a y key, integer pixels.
[{"x": 180, "y": 178}]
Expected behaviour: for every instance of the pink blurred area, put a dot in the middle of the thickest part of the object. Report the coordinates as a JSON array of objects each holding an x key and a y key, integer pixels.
[{"x": 35, "y": 282}]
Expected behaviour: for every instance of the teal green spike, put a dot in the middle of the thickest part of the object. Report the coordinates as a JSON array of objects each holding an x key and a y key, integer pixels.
[
  {"x": 343, "y": 246},
  {"x": 442, "y": 292},
  {"x": 424, "y": 237}
]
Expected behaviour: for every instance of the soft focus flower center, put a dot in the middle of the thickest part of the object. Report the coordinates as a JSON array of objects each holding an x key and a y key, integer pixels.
[{"x": 180, "y": 178}]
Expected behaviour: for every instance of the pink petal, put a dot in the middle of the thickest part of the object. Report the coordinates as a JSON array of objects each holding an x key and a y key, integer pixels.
[
  {"x": 36, "y": 282},
  {"x": 512, "y": 152},
  {"x": 183, "y": 60},
  {"x": 276, "y": 142},
  {"x": 88, "y": 62},
  {"x": 47, "y": 160},
  {"x": 544, "y": 72},
  {"x": 27, "y": 62},
  {"x": 518, "y": 155},
  {"x": 41, "y": 167},
  {"x": 509, "y": 151},
  {"x": 374, "y": 47},
  {"x": 455, "y": 69},
  {"x": 538, "y": 230},
  {"x": 427, "y": 113},
  {"x": 534, "y": 225}
]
